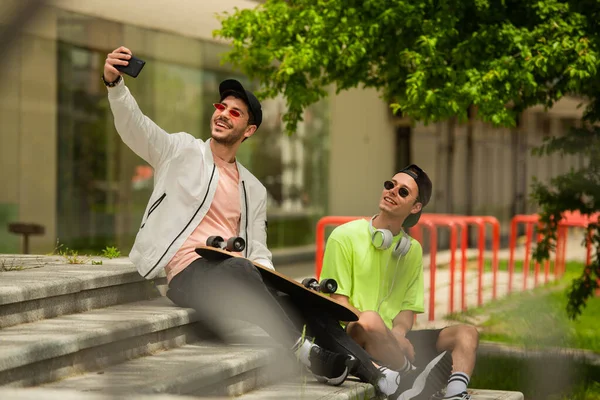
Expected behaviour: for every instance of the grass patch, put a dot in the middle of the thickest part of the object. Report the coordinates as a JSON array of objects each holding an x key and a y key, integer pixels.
[
  {"x": 111, "y": 252},
  {"x": 537, "y": 319},
  {"x": 518, "y": 266},
  {"x": 472, "y": 264},
  {"x": 10, "y": 265},
  {"x": 547, "y": 377},
  {"x": 71, "y": 256}
]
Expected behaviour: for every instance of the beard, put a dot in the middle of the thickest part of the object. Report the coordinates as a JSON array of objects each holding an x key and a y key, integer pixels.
[{"x": 230, "y": 139}]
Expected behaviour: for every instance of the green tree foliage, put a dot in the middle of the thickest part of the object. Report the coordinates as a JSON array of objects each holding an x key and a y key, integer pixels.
[
  {"x": 578, "y": 190},
  {"x": 432, "y": 60}
]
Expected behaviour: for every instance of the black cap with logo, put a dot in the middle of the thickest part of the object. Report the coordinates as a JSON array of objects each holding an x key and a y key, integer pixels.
[
  {"x": 231, "y": 85},
  {"x": 425, "y": 188}
]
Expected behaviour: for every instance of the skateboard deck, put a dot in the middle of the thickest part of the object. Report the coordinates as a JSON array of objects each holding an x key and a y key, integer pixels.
[{"x": 289, "y": 286}]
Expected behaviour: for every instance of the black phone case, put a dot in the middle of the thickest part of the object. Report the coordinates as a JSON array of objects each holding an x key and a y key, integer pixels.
[{"x": 134, "y": 67}]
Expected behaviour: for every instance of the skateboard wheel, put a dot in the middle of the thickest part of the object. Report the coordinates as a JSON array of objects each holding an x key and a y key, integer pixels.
[
  {"x": 215, "y": 241},
  {"x": 310, "y": 283},
  {"x": 235, "y": 243},
  {"x": 328, "y": 285}
]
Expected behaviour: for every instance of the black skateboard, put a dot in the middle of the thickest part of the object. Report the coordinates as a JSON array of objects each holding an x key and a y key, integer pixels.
[{"x": 310, "y": 291}]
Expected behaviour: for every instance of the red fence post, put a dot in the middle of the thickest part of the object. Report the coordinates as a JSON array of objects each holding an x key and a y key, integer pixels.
[
  {"x": 536, "y": 265},
  {"x": 560, "y": 243},
  {"x": 528, "y": 235},
  {"x": 495, "y": 248},
  {"x": 529, "y": 220},
  {"x": 512, "y": 242},
  {"x": 448, "y": 221},
  {"x": 432, "y": 262}
]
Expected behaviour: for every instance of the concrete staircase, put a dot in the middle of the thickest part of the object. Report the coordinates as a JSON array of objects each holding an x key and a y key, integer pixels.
[{"x": 82, "y": 331}]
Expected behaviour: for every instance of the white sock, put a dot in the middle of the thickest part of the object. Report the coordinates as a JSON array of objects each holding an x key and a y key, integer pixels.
[
  {"x": 407, "y": 367},
  {"x": 457, "y": 383},
  {"x": 388, "y": 383},
  {"x": 302, "y": 351}
]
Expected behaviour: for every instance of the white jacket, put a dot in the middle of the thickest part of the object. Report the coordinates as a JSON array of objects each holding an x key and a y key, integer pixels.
[{"x": 185, "y": 181}]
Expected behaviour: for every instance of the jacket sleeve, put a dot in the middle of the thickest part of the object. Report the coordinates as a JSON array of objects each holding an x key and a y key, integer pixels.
[
  {"x": 139, "y": 132},
  {"x": 260, "y": 253}
]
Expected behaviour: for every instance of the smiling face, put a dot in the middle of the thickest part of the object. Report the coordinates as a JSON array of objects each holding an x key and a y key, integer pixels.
[
  {"x": 400, "y": 200},
  {"x": 227, "y": 129}
]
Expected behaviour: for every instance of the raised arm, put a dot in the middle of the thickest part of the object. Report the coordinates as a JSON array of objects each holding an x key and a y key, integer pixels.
[{"x": 138, "y": 132}]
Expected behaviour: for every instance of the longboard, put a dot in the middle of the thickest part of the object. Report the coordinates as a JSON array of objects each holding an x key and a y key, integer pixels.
[{"x": 289, "y": 286}]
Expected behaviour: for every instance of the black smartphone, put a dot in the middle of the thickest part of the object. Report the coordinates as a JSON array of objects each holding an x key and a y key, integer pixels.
[{"x": 133, "y": 68}]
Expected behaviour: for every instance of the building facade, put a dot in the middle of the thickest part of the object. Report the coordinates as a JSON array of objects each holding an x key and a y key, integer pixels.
[{"x": 62, "y": 164}]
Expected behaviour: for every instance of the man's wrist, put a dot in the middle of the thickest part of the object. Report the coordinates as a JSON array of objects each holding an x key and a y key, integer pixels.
[
  {"x": 113, "y": 83},
  {"x": 399, "y": 331}
]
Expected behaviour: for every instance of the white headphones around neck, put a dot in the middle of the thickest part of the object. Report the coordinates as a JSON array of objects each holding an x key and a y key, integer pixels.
[{"x": 382, "y": 239}]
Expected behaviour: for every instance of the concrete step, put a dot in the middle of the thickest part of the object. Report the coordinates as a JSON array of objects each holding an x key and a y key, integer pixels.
[
  {"x": 54, "y": 394},
  {"x": 46, "y": 287},
  {"x": 310, "y": 389},
  {"x": 52, "y": 349},
  {"x": 352, "y": 389},
  {"x": 195, "y": 369}
]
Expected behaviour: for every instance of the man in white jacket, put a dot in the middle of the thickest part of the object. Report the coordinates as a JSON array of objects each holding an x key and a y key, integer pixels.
[{"x": 200, "y": 190}]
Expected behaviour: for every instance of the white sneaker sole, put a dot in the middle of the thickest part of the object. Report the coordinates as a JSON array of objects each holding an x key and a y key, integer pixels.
[
  {"x": 421, "y": 380},
  {"x": 333, "y": 381}
]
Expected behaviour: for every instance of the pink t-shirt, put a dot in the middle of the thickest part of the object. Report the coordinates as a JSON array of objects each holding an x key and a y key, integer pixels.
[{"x": 222, "y": 220}]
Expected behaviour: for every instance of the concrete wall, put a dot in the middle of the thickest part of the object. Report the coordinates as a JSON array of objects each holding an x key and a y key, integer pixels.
[
  {"x": 503, "y": 168},
  {"x": 362, "y": 152},
  {"x": 191, "y": 18},
  {"x": 28, "y": 130}
]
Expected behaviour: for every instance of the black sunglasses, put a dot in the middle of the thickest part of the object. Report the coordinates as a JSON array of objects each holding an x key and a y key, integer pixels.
[{"x": 402, "y": 191}]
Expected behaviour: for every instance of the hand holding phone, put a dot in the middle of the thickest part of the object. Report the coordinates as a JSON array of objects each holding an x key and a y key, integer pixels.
[
  {"x": 121, "y": 61},
  {"x": 134, "y": 67}
]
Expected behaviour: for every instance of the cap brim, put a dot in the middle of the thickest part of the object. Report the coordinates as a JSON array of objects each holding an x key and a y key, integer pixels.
[{"x": 411, "y": 220}]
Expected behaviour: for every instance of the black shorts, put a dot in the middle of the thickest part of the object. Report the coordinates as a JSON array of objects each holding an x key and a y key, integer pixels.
[{"x": 424, "y": 341}]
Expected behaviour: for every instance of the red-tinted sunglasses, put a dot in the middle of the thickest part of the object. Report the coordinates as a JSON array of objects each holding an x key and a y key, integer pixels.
[
  {"x": 233, "y": 112},
  {"x": 402, "y": 191}
]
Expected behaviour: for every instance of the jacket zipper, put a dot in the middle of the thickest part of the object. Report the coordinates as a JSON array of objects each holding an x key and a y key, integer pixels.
[
  {"x": 246, "y": 227},
  {"x": 153, "y": 207},
  {"x": 188, "y": 224}
]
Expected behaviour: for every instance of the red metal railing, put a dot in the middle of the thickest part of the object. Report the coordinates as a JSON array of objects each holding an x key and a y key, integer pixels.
[
  {"x": 452, "y": 223},
  {"x": 569, "y": 220},
  {"x": 512, "y": 244},
  {"x": 434, "y": 222},
  {"x": 432, "y": 263}
]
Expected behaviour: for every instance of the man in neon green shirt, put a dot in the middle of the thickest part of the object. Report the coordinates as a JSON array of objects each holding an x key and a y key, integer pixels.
[{"x": 379, "y": 271}]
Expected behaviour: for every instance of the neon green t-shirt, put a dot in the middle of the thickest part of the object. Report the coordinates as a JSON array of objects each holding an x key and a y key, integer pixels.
[{"x": 374, "y": 280}]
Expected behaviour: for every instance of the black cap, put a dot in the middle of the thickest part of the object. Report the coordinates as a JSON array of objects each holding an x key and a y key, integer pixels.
[
  {"x": 231, "y": 85},
  {"x": 425, "y": 188}
]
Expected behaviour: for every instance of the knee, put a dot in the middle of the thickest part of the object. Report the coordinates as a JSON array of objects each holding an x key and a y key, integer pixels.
[
  {"x": 468, "y": 337},
  {"x": 369, "y": 324}
]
